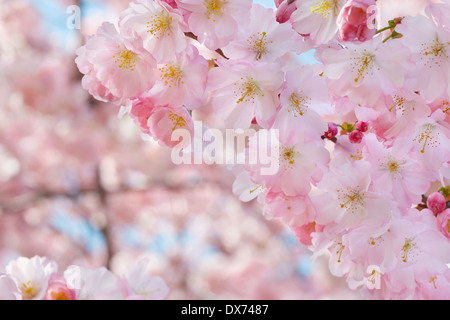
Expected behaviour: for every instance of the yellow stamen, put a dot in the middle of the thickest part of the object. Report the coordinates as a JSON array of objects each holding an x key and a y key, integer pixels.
[
  {"x": 214, "y": 8},
  {"x": 353, "y": 199},
  {"x": 247, "y": 90},
  {"x": 258, "y": 44},
  {"x": 340, "y": 250},
  {"x": 177, "y": 121},
  {"x": 427, "y": 136},
  {"x": 29, "y": 290},
  {"x": 171, "y": 74},
  {"x": 160, "y": 24},
  {"x": 364, "y": 65},
  {"x": 256, "y": 188},
  {"x": 433, "y": 281},
  {"x": 298, "y": 103},
  {"x": 126, "y": 58},
  {"x": 288, "y": 155},
  {"x": 407, "y": 248},
  {"x": 323, "y": 7}
]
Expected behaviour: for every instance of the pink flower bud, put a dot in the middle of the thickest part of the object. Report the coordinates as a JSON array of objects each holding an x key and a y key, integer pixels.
[
  {"x": 332, "y": 131},
  {"x": 58, "y": 289},
  {"x": 355, "y": 136},
  {"x": 285, "y": 10},
  {"x": 353, "y": 19},
  {"x": 362, "y": 126},
  {"x": 436, "y": 202},
  {"x": 443, "y": 221}
]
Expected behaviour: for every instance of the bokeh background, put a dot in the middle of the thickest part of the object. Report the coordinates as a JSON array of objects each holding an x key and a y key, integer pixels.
[{"x": 80, "y": 185}]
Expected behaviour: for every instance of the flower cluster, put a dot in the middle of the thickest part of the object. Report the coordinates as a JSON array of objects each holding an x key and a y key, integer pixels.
[
  {"x": 356, "y": 195},
  {"x": 37, "y": 278}
]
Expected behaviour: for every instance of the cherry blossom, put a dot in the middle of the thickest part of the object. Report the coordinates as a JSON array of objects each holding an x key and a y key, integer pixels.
[
  {"x": 263, "y": 42},
  {"x": 158, "y": 25},
  {"x": 345, "y": 163},
  {"x": 317, "y": 19},
  {"x": 364, "y": 72},
  {"x": 114, "y": 67},
  {"x": 31, "y": 276},
  {"x": 215, "y": 22},
  {"x": 243, "y": 90}
]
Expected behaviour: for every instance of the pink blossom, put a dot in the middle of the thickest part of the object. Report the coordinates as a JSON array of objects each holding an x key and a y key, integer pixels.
[
  {"x": 303, "y": 103},
  {"x": 332, "y": 131},
  {"x": 431, "y": 140},
  {"x": 181, "y": 81},
  {"x": 357, "y": 71},
  {"x": 215, "y": 22},
  {"x": 295, "y": 211},
  {"x": 405, "y": 109},
  {"x": 300, "y": 163},
  {"x": 263, "y": 42},
  {"x": 241, "y": 90},
  {"x": 317, "y": 19},
  {"x": 443, "y": 222},
  {"x": 397, "y": 170},
  {"x": 353, "y": 23},
  {"x": 158, "y": 25},
  {"x": 355, "y": 136},
  {"x": 58, "y": 290},
  {"x": 115, "y": 66},
  {"x": 429, "y": 45},
  {"x": 164, "y": 120},
  {"x": 422, "y": 254},
  {"x": 31, "y": 276},
  {"x": 347, "y": 200},
  {"x": 436, "y": 202},
  {"x": 362, "y": 126}
]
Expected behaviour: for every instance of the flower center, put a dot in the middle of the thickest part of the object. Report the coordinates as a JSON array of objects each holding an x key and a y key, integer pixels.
[
  {"x": 408, "y": 249},
  {"x": 171, "y": 74},
  {"x": 436, "y": 52},
  {"x": 339, "y": 249},
  {"x": 299, "y": 104},
  {"x": 351, "y": 199},
  {"x": 363, "y": 65},
  {"x": 159, "y": 25},
  {"x": 288, "y": 155},
  {"x": 247, "y": 91},
  {"x": 177, "y": 120},
  {"x": 392, "y": 165},
  {"x": 323, "y": 7},
  {"x": 29, "y": 290},
  {"x": 126, "y": 59},
  {"x": 399, "y": 102},
  {"x": 214, "y": 8},
  {"x": 427, "y": 135},
  {"x": 258, "y": 44}
]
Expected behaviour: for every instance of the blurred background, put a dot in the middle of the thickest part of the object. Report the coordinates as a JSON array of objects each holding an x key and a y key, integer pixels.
[{"x": 79, "y": 185}]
